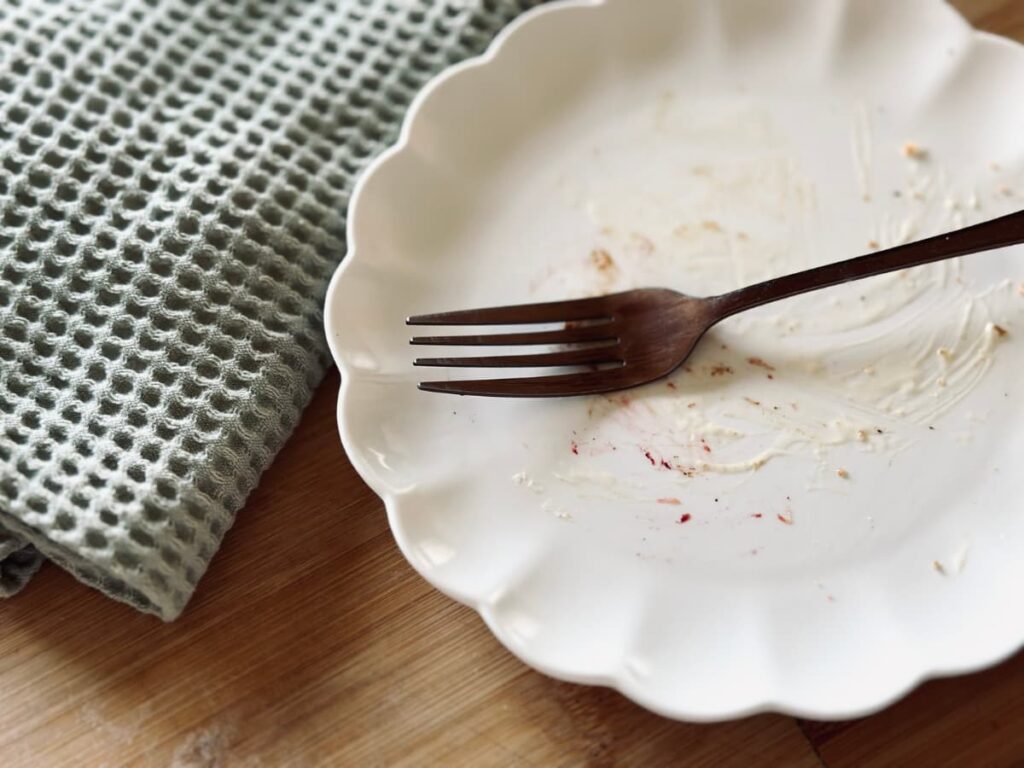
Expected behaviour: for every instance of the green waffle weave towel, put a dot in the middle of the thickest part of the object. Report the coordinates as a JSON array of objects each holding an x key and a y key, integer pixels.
[{"x": 173, "y": 184}]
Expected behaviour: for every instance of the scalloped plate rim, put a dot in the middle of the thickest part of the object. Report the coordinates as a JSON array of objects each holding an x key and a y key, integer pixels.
[{"x": 392, "y": 501}]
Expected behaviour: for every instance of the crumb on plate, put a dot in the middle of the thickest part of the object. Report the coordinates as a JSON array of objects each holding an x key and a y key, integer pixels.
[
  {"x": 602, "y": 260},
  {"x": 757, "y": 361},
  {"x": 914, "y": 151}
]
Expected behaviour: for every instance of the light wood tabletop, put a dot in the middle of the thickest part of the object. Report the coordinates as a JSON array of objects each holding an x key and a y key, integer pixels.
[{"x": 310, "y": 641}]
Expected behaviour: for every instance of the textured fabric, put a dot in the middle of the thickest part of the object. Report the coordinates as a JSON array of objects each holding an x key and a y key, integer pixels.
[{"x": 173, "y": 184}]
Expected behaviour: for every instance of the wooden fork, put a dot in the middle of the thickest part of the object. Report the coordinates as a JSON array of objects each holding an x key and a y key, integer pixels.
[{"x": 626, "y": 339}]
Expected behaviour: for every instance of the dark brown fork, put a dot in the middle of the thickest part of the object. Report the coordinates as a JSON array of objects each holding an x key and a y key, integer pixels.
[{"x": 626, "y": 339}]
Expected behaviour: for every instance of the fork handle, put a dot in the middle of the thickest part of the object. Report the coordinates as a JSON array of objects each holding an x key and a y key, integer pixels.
[{"x": 996, "y": 233}]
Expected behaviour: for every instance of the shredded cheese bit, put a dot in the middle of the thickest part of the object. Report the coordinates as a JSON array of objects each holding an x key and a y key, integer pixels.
[
  {"x": 842, "y": 473},
  {"x": 939, "y": 567}
]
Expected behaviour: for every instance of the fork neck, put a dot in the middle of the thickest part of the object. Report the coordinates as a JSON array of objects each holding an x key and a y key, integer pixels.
[{"x": 996, "y": 233}]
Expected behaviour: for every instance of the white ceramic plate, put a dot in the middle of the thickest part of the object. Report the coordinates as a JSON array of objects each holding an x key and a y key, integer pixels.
[{"x": 823, "y": 510}]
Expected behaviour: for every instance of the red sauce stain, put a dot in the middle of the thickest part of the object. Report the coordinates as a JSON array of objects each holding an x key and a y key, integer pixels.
[
  {"x": 574, "y": 448},
  {"x": 685, "y": 517},
  {"x": 670, "y": 500},
  {"x": 770, "y": 376},
  {"x": 665, "y": 464},
  {"x": 650, "y": 458},
  {"x": 671, "y": 385},
  {"x": 785, "y": 519},
  {"x": 757, "y": 515}
]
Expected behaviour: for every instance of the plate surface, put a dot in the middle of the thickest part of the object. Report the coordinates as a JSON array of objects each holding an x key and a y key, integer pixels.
[{"x": 821, "y": 509}]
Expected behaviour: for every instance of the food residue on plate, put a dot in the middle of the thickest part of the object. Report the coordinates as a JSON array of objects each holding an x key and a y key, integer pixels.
[
  {"x": 527, "y": 481},
  {"x": 554, "y": 509},
  {"x": 858, "y": 370}
]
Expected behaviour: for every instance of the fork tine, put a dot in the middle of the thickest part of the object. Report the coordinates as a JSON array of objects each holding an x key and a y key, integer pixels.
[
  {"x": 598, "y": 332},
  {"x": 589, "y": 356},
  {"x": 560, "y": 385},
  {"x": 595, "y": 308}
]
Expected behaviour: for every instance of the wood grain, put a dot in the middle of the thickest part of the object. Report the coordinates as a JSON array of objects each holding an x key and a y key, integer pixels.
[
  {"x": 315, "y": 646},
  {"x": 312, "y": 642}
]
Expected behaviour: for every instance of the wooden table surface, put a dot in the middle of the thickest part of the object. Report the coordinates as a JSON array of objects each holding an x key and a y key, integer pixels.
[{"x": 310, "y": 641}]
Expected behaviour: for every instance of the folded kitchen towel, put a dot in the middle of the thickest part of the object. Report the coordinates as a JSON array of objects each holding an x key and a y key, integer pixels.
[{"x": 173, "y": 182}]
